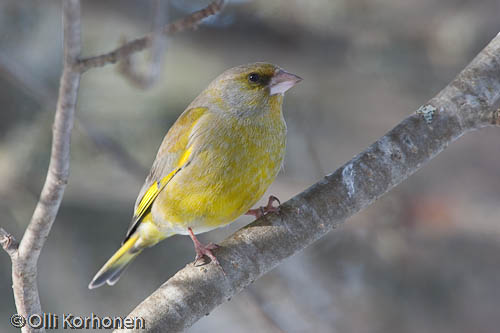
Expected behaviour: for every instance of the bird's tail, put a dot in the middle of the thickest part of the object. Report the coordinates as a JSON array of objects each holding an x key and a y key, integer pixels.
[{"x": 115, "y": 266}]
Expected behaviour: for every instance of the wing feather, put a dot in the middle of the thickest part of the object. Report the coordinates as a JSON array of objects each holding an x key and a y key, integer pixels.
[{"x": 174, "y": 153}]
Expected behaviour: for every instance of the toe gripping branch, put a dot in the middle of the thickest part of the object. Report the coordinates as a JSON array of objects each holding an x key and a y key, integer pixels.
[{"x": 263, "y": 210}]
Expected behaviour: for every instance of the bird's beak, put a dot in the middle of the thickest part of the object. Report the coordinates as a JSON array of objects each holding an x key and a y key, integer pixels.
[{"x": 282, "y": 81}]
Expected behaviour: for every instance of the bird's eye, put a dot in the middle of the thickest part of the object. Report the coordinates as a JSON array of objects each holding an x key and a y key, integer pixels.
[{"x": 254, "y": 77}]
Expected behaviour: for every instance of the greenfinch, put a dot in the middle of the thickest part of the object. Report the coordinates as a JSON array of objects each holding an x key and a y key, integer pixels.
[{"x": 213, "y": 165}]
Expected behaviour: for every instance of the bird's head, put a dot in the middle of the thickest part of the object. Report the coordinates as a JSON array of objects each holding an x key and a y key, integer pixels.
[{"x": 251, "y": 88}]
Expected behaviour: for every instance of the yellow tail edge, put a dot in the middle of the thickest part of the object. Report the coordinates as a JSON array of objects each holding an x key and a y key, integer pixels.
[{"x": 115, "y": 266}]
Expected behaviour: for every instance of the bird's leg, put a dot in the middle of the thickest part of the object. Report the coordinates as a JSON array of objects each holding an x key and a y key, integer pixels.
[
  {"x": 202, "y": 250},
  {"x": 269, "y": 208}
]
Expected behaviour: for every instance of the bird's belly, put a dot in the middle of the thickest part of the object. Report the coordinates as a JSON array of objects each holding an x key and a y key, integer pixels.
[{"x": 218, "y": 188}]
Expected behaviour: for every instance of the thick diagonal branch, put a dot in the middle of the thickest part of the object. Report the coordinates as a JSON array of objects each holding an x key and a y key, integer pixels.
[{"x": 466, "y": 104}]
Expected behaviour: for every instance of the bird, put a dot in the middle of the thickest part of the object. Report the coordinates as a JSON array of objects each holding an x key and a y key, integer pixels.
[{"x": 215, "y": 162}]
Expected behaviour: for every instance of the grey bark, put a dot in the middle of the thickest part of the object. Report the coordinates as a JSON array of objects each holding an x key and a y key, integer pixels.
[{"x": 468, "y": 103}]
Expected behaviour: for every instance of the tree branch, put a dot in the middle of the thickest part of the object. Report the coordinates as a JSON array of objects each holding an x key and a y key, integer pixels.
[
  {"x": 139, "y": 44},
  {"x": 8, "y": 242},
  {"x": 127, "y": 66},
  {"x": 467, "y": 103},
  {"x": 24, "y": 260}
]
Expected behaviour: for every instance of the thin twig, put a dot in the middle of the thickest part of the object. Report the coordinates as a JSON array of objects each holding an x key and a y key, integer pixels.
[
  {"x": 8, "y": 242},
  {"x": 466, "y": 104},
  {"x": 139, "y": 44},
  {"x": 127, "y": 67}
]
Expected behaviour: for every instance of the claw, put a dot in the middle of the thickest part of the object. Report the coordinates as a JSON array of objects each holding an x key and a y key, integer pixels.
[
  {"x": 269, "y": 208},
  {"x": 204, "y": 250}
]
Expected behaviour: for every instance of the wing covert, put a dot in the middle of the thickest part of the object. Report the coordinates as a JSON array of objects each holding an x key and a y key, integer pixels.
[{"x": 172, "y": 156}]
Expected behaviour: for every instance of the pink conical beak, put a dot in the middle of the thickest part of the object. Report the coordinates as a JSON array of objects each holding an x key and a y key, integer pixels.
[{"x": 282, "y": 81}]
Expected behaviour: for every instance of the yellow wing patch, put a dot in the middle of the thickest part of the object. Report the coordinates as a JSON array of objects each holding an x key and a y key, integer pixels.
[
  {"x": 156, "y": 188},
  {"x": 174, "y": 145},
  {"x": 151, "y": 195}
]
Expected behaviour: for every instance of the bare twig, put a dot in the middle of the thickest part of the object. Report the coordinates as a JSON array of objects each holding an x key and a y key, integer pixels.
[
  {"x": 24, "y": 263},
  {"x": 148, "y": 78},
  {"x": 466, "y": 104},
  {"x": 139, "y": 44},
  {"x": 8, "y": 242}
]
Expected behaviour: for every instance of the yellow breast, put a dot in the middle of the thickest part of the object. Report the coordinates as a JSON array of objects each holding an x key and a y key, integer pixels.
[{"x": 239, "y": 160}]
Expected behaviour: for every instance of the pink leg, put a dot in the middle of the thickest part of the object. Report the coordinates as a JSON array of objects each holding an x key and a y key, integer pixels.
[
  {"x": 269, "y": 208},
  {"x": 202, "y": 250}
]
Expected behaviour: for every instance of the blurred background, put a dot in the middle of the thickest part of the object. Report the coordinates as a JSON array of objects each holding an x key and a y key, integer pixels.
[{"x": 424, "y": 258}]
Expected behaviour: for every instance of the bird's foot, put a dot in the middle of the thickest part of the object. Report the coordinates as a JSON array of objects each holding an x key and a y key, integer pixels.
[
  {"x": 204, "y": 250},
  {"x": 269, "y": 208}
]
